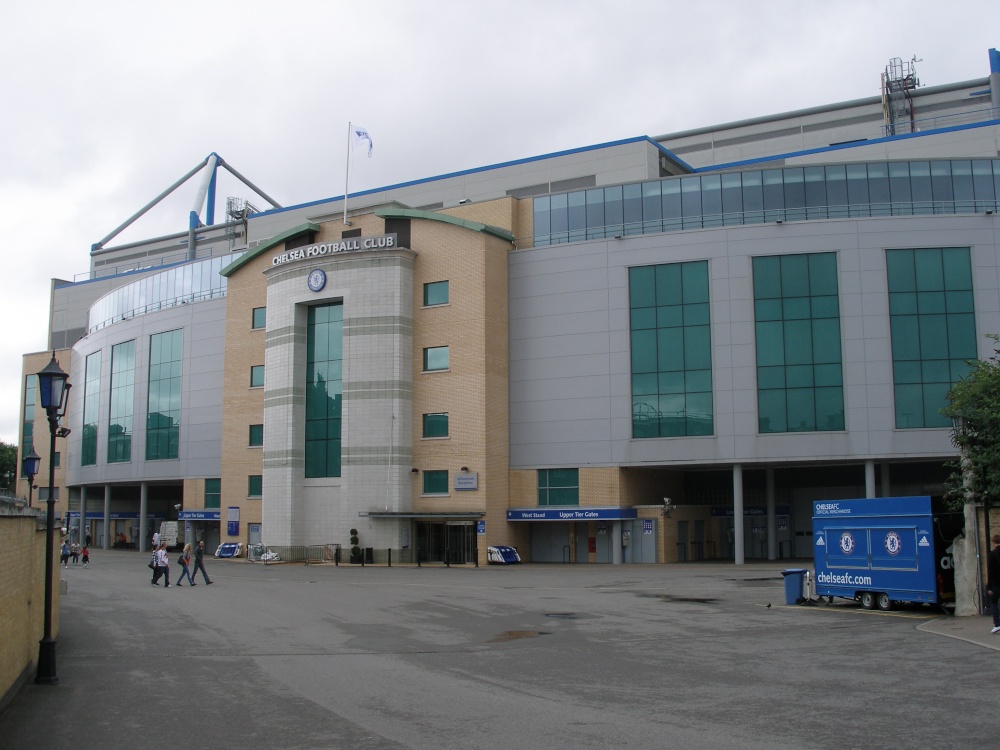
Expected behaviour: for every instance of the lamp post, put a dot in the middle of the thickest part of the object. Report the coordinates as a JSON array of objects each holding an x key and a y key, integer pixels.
[
  {"x": 29, "y": 468},
  {"x": 53, "y": 392}
]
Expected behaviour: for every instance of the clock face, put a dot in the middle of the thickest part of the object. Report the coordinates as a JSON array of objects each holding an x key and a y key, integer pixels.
[{"x": 316, "y": 279}]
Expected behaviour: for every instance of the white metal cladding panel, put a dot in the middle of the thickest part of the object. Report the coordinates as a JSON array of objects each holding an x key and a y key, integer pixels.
[
  {"x": 558, "y": 361},
  {"x": 200, "y": 450}
]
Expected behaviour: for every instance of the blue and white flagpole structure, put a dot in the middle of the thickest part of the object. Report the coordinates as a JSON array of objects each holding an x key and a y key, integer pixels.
[{"x": 356, "y": 135}]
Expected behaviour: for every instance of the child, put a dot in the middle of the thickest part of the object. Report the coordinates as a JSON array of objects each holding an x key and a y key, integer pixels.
[{"x": 86, "y": 556}]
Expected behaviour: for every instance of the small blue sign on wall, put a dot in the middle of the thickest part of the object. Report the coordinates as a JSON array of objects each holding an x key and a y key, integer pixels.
[
  {"x": 233, "y": 521},
  {"x": 480, "y": 527}
]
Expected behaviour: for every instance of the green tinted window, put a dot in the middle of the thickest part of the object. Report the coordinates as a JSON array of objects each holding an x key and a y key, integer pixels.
[
  {"x": 435, "y": 425},
  {"x": 257, "y": 376},
  {"x": 436, "y": 358},
  {"x": 933, "y": 329},
  {"x": 121, "y": 406},
  {"x": 259, "y": 318},
  {"x": 558, "y": 487},
  {"x": 435, "y": 482},
  {"x": 436, "y": 293},
  {"x": 213, "y": 493},
  {"x": 91, "y": 409},
  {"x": 324, "y": 390},
  {"x": 163, "y": 412},
  {"x": 255, "y": 485},
  {"x": 799, "y": 360},
  {"x": 671, "y": 350},
  {"x": 256, "y": 435}
]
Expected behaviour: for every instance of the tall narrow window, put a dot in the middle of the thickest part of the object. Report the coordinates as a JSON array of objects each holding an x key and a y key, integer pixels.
[
  {"x": 933, "y": 325},
  {"x": 163, "y": 414},
  {"x": 91, "y": 409},
  {"x": 28, "y": 427},
  {"x": 255, "y": 485},
  {"x": 257, "y": 376},
  {"x": 671, "y": 350},
  {"x": 558, "y": 487},
  {"x": 256, "y": 435},
  {"x": 797, "y": 323},
  {"x": 121, "y": 407},
  {"x": 324, "y": 389}
]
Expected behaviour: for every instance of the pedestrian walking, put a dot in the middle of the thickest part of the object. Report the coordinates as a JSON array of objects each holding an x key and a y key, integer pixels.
[
  {"x": 184, "y": 561},
  {"x": 993, "y": 582},
  {"x": 156, "y": 540},
  {"x": 74, "y": 551},
  {"x": 64, "y": 554},
  {"x": 85, "y": 556},
  {"x": 199, "y": 564},
  {"x": 162, "y": 567}
]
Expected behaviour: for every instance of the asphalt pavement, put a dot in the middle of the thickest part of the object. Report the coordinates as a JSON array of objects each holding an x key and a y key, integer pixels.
[{"x": 556, "y": 656}]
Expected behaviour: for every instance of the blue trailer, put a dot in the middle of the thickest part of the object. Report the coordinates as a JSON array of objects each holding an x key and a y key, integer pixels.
[{"x": 884, "y": 550}]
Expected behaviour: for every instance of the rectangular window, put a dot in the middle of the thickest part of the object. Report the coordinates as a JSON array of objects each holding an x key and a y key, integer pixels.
[
  {"x": 558, "y": 487},
  {"x": 255, "y": 485},
  {"x": 259, "y": 318},
  {"x": 435, "y": 425},
  {"x": 435, "y": 358},
  {"x": 671, "y": 350},
  {"x": 932, "y": 323},
  {"x": 57, "y": 459},
  {"x": 436, "y": 293},
  {"x": 91, "y": 409},
  {"x": 324, "y": 390},
  {"x": 436, "y": 482},
  {"x": 256, "y": 435},
  {"x": 163, "y": 411},
  {"x": 797, "y": 324},
  {"x": 213, "y": 493},
  {"x": 257, "y": 376},
  {"x": 121, "y": 406}
]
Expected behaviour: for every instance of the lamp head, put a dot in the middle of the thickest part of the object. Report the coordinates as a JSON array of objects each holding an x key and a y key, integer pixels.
[
  {"x": 53, "y": 388},
  {"x": 29, "y": 466}
]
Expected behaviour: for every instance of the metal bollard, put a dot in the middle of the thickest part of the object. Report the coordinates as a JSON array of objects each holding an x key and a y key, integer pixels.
[{"x": 390, "y": 556}]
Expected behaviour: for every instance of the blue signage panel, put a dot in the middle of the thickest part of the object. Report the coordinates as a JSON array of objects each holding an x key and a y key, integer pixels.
[
  {"x": 779, "y": 510},
  {"x": 116, "y": 515},
  {"x": 571, "y": 514},
  {"x": 480, "y": 527},
  {"x": 199, "y": 515}
]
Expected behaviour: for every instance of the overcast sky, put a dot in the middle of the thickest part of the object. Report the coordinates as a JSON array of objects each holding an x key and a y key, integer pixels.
[{"x": 105, "y": 104}]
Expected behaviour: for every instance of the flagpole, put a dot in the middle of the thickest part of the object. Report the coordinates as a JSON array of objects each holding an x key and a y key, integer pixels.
[{"x": 347, "y": 176}]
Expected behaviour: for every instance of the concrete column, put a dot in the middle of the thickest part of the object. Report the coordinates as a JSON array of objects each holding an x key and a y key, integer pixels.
[
  {"x": 772, "y": 521},
  {"x": 83, "y": 515},
  {"x": 107, "y": 516},
  {"x": 738, "y": 514},
  {"x": 143, "y": 522},
  {"x": 886, "y": 481},
  {"x": 870, "y": 479}
]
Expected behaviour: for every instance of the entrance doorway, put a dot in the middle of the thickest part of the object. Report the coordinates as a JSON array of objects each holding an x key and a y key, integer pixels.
[{"x": 446, "y": 542}]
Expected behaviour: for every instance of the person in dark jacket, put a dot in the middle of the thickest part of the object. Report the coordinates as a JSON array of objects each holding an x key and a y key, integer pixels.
[
  {"x": 993, "y": 582},
  {"x": 199, "y": 564}
]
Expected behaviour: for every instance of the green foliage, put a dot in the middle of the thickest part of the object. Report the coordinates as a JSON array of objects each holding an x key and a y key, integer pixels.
[
  {"x": 975, "y": 409},
  {"x": 355, "y": 541},
  {"x": 8, "y": 466}
]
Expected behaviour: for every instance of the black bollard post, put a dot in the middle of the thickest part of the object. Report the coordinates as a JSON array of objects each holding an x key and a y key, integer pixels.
[{"x": 390, "y": 556}]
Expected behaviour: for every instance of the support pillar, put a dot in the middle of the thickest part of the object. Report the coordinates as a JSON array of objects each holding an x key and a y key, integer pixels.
[
  {"x": 870, "y": 479},
  {"x": 886, "y": 480},
  {"x": 772, "y": 521},
  {"x": 107, "y": 516},
  {"x": 738, "y": 552},
  {"x": 143, "y": 521}
]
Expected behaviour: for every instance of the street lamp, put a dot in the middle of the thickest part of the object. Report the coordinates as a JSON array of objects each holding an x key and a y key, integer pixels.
[
  {"x": 29, "y": 468},
  {"x": 53, "y": 392}
]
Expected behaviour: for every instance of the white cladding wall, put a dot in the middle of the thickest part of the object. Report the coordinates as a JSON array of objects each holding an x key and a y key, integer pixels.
[
  {"x": 377, "y": 293},
  {"x": 204, "y": 332},
  {"x": 570, "y": 397}
]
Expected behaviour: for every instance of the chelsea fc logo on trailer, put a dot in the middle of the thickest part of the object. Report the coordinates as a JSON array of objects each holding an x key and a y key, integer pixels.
[
  {"x": 893, "y": 543},
  {"x": 316, "y": 279},
  {"x": 846, "y": 543}
]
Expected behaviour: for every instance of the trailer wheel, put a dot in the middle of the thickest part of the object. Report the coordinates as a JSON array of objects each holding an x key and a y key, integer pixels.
[
  {"x": 883, "y": 602},
  {"x": 867, "y": 599}
]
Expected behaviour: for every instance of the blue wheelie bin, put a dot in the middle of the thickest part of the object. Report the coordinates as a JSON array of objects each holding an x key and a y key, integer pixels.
[{"x": 793, "y": 584}]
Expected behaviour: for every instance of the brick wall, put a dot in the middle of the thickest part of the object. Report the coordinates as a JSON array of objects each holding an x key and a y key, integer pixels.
[{"x": 22, "y": 594}]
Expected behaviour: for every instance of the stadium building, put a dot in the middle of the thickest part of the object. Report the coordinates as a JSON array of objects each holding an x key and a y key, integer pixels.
[{"x": 658, "y": 349}]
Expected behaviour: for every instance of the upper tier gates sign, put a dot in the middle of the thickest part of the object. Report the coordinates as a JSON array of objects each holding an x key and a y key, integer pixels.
[{"x": 345, "y": 245}]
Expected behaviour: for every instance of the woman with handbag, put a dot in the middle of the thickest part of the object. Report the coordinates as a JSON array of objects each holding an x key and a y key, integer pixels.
[{"x": 184, "y": 561}]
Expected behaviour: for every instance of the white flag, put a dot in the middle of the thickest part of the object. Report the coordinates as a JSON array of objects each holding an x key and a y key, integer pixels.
[{"x": 359, "y": 135}]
